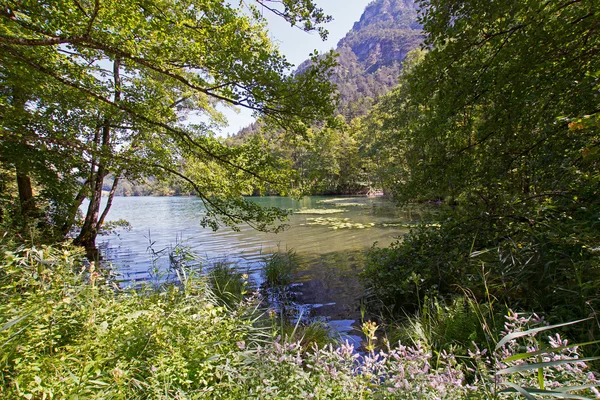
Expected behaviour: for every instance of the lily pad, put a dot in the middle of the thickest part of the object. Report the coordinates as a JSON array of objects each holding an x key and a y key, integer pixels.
[
  {"x": 320, "y": 211},
  {"x": 337, "y": 223}
]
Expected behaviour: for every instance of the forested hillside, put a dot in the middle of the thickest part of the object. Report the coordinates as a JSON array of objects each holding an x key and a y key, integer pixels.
[
  {"x": 342, "y": 158},
  {"x": 369, "y": 61},
  {"x": 371, "y": 54}
]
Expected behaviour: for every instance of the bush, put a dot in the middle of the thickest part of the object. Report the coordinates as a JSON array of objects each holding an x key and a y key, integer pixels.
[
  {"x": 431, "y": 260},
  {"x": 546, "y": 259},
  {"x": 67, "y": 331}
]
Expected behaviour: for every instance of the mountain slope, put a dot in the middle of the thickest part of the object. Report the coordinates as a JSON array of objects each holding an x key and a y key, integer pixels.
[{"x": 371, "y": 54}]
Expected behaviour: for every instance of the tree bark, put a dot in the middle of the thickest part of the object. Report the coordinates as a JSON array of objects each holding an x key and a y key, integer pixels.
[
  {"x": 111, "y": 195},
  {"x": 89, "y": 230},
  {"x": 26, "y": 200},
  {"x": 68, "y": 225}
]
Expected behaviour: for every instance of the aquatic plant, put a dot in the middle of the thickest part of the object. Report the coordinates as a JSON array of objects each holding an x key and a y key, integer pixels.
[
  {"x": 228, "y": 284},
  {"x": 279, "y": 268},
  {"x": 350, "y": 202},
  {"x": 335, "y": 200},
  {"x": 337, "y": 223},
  {"x": 320, "y": 211}
]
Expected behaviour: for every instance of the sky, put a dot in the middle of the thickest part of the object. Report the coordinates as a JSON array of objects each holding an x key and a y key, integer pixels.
[{"x": 296, "y": 44}]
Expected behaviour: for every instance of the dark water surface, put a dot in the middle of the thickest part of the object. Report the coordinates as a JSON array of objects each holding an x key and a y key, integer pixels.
[{"x": 330, "y": 246}]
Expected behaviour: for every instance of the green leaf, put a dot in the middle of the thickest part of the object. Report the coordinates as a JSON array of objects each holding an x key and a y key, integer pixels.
[
  {"x": 546, "y": 350},
  {"x": 14, "y": 321},
  {"x": 519, "y": 389},
  {"x": 528, "y": 391},
  {"x": 527, "y": 367},
  {"x": 516, "y": 335}
]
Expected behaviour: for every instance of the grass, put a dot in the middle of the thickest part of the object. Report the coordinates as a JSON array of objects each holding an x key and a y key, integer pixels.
[
  {"x": 227, "y": 283},
  {"x": 66, "y": 331},
  {"x": 279, "y": 268}
]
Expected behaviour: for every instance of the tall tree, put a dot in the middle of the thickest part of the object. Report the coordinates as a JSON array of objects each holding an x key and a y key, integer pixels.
[
  {"x": 110, "y": 83},
  {"x": 504, "y": 104}
]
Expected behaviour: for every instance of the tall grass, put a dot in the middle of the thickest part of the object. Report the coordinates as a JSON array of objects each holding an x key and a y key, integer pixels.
[
  {"x": 279, "y": 268},
  {"x": 227, "y": 283},
  {"x": 66, "y": 331}
]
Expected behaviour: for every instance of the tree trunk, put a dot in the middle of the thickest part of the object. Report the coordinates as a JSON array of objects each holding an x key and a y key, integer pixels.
[
  {"x": 70, "y": 221},
  {"x": 89, "y": 230},
  {"x": 111, "y": 195},
  {"x": 26, "y": 200}
]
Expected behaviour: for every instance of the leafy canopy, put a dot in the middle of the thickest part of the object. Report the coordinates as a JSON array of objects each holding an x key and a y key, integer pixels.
[{"x": 140, "y": 70}]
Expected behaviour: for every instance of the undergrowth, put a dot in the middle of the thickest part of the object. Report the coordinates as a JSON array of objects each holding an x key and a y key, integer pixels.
[{"x": 66, "y": 331}]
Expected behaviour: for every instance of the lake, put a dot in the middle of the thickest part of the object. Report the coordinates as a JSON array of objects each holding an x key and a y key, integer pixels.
[{"x": 329, "y": 235}]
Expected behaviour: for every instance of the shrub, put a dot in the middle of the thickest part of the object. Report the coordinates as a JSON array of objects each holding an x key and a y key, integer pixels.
[
  {"x": 430, "y": 260},
  {"x": 67, "y": 332},
  {"x": 546, "y": 259}
]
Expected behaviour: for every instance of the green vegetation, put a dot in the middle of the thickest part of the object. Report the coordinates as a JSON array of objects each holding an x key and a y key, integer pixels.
[
  {"x": 67, "y": 331},
  {"x": 337, "y": 223},
  {"x": 515, "y": 151},
  {"x": 499, "y": 120},
  {"x": 497, "y": 116},
  {"x": 227, "y": 284},
  {"x": 95, "y": 88},
  {"x": 319, "y": 211},
  {"x": 279, "y": 268}
]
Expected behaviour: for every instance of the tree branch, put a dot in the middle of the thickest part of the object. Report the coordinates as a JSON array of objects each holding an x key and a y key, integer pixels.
[{"x": 179, "y": 133}]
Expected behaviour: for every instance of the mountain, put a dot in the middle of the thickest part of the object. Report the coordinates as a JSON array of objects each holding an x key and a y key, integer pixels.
[
  {"x": 369, "y": 64},
  {"x": 371, "y": 54}
]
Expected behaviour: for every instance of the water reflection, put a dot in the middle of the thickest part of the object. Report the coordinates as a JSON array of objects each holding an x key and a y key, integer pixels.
[{"x": 329, "y": 235}]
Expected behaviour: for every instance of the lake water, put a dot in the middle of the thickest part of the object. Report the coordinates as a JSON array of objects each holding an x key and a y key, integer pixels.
[{"x": 329, "y": 235}]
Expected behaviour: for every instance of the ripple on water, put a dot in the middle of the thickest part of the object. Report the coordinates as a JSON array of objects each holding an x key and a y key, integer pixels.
[{"x": 330, "y": 259}]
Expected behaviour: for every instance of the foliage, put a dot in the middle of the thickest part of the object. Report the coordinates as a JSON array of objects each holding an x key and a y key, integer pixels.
[
  {"x": 454, "y": 326},
  {"x": 66, "y": 330},
  {"x": 527, "y": 365},
  {"x": 526, "y": 263},
  {"x": 429, "y": 260},
  {"x": 280, "y": 267},
  {"x": 337, "y": 223},
  {"x": 228, "y": 285},
  {"x": 493, "y": 111},
  {"x": 95, "y": 88},
  {"x": 499, "y": 115}
]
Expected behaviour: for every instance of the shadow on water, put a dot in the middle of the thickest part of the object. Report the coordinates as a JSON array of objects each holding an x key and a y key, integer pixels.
[
  {"x": 329, "y": 288},
  {"x": 330, "y": 235}
]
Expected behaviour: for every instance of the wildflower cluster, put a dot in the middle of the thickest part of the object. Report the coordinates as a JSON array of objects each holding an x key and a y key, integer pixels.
[
  {"x": 528, "y": 363},
  {"x": 284, "y": 370}
]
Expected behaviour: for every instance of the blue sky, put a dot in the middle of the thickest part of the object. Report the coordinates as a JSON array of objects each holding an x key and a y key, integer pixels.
[{"x": 296, "y": 44}]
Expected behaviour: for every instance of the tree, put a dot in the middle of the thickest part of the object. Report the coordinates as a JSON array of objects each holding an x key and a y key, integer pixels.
[
  {"x": 495, "y": 108},
  {"x": 92, "y": 87},
  {"x": 501, "y": 115}
]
